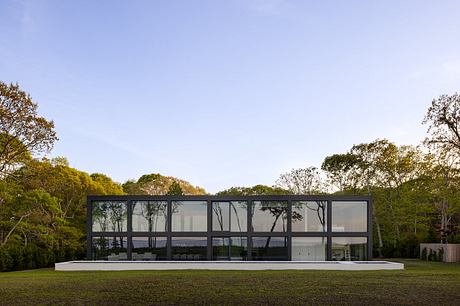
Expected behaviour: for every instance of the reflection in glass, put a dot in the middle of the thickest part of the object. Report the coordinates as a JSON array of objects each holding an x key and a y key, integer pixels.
[
  {"x": 150, "y": 216},
  {"x": 269, "y": 248},
  {"x": 189, "y": 216},
  {"x": 269, "y": 216},
  {"x": 189, "y": 248},
  {"x": 109, "y": 216},
  {"x": 229, "y": 248},
  {"x": 109, "y": 248},
  {"x": 229, "y": 216},
  {"x": 309, "y": 216},
  {"x": 349, "y": 248},
  {"x": 349, "y": 216},
  {"x": 309, "y": 248},
  {"x": 148, "y": 248}
]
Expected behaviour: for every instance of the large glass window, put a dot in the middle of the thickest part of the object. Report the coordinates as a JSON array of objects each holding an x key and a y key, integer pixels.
[
  {"x": 109, "y": 248},
  {"x": 150, "y": 216},
  {"x": 269, "y": 216},
  {"x": 349, "y": 248},
  {"x": 110, "y": 216},
  {"x": 348, "y": 216},
  {"x": 229, "y": 248},
  {"x": 309, "y": 248},
  {"x": 229, "y": 216},
  {"x": 189, "y": 216},
  {"x": 189, "y": 248},
  {"x": 309, "y": 216},
  {"x": 148, "y": 248},
  {"x": 269, "y": 248}
]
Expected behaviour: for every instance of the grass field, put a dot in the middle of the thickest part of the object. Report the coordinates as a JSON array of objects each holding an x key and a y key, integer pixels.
[{"x": 427, "y": 283}]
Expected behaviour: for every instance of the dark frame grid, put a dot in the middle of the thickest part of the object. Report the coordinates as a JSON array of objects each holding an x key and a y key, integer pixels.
[{"x": 210, "y": 233}]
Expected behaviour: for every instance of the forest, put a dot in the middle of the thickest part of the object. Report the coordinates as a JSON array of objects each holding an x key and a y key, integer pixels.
[{"x": 415, "y": 189}]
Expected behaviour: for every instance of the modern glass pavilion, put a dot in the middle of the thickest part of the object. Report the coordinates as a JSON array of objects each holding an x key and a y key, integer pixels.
[{"x": 285, "y": 228}]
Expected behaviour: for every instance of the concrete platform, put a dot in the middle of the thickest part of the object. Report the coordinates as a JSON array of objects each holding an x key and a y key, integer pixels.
[{"x": 227, "y": 265}]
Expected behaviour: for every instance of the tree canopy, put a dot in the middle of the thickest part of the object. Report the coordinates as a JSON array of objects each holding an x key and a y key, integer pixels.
[{"x": 22, "y": 131}]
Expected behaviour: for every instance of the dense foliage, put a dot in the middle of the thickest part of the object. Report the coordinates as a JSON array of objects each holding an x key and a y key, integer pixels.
[{"x": 416, "y": 190}]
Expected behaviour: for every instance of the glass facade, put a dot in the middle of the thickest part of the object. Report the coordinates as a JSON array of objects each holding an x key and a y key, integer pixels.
[
  {"x": 189, "y": 248},
  {"x": 150, "y": 216},
  {"x": 309, "y": 216},
  {"x": 309, "y": 248},
  {"x": 189, "y": 216},
  {"x": 110, "y": 248},
  {"x": 269, "y": 248},
  {"x": 229, "y": 216},
  {"x": 229, "y": 248},
  {"x": 149, "y": 248},
  {"x": 249, "y": 228},
  {"x": 348, "y": 216},
  {"x": 109, "y": 216},
  {"x": 349, "y": 248},
  {"x": 269, "y": 216}
]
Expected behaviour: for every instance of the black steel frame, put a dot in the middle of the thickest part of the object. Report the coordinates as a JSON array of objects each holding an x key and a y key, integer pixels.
[{"x": 210, "y": 233}]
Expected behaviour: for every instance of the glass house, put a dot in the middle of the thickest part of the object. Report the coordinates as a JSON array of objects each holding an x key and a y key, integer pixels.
[{"x": 255, "y": 228}]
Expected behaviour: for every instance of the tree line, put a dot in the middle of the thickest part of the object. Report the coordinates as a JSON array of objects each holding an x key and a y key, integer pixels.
[{"x": 43, "y": 201}]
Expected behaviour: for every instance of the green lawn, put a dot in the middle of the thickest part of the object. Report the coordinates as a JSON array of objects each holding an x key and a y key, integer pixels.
[{"x": 421, "y": 283}]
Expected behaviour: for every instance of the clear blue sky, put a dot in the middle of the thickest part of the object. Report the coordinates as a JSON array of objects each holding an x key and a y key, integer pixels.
[{"x": 228, "y": 93}]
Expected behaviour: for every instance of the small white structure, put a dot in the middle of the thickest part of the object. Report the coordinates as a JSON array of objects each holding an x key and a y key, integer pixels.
[{"x": 227, "y": 265}]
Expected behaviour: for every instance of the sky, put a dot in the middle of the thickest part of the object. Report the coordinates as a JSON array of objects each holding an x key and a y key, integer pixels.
[{"x": 228, "y": 93}]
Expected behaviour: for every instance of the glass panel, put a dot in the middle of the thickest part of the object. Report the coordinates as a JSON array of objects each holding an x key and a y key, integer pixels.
[
  {"x": 349, "y": 248},
  {"x": 309, "y": 248},
  {"x": 189, "y": 248},
  {"x": 110, "y": 216},
  {"x": 109, "y": 248},
  {"x": 148, "y": 248},
  {"x": 349, "y": 216},
  {"x": 269, "y": 248},
  {"x": 309, "y": 216},
  {"x": 189, "y": 216},
  {"x": 229, "y": 216},
  {"x": 150, "y": 216},
  {"x": 269, "y": 216},
  {"x": 229, "y": 248}
]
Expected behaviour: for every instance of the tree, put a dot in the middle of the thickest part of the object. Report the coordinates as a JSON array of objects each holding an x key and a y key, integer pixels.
[
  {"x": 107, "y": 185},
  {"x": 69, "y": 185},
  {"x": 175, "y": 189},
  {"x": 444, "y": 185},
  {"x": 443, "y": 119},
  {"x": 157, "y": 184},
  {"x": 341, "y": 170},
  {"x": 255, "y": 190},
  {"x": 22, "y": 131},
  {"x": 302, "y": 181}
]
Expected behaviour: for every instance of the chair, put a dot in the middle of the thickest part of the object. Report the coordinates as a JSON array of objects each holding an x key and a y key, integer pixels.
[
  {"x": 196, "y": 257},
  {"x": 176, "y": 257},
  {"x": 183, "y": 257}
]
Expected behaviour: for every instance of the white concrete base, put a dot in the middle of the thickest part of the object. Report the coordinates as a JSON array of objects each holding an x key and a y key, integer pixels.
[{"x": 227, "y": 265}]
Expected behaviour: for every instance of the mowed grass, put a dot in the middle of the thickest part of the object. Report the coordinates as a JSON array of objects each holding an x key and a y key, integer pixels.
[{"x": 422, "y": 283}]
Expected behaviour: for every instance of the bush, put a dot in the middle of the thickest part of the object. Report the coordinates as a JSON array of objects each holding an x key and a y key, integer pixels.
[
  {"x": 6, "y": 261},
  {"x": 424, "y": 254},
  {"x": 31, "y": 257}
]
